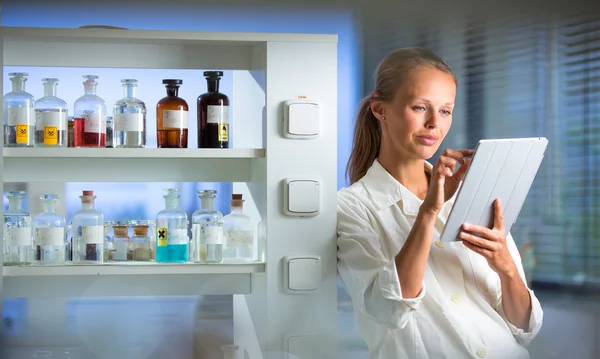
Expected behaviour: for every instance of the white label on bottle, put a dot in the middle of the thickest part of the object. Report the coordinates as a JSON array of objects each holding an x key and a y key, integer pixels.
[
  {"x": 177, "y": 236},
  {"x": 94, "y": 123},
  {"x": 208, "y": 234},
  {"x": 129, "y": 122},
  {"x": 217, "y": 114},
  {"x": 240, "y": 238},
  {"x": 175, "y": 119},
  {"x": 120, "y": 253},
  {"x": 18, "y": 236},
  {"x": 20, "y": 116},
  {"x": 50, "y": 236},
  {"x": 56, "y": 119},
  {"x": 92, "y": 234}
]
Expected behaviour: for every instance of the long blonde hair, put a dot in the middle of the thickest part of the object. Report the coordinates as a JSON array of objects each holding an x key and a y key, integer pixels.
[{"x": 390, "y": 73}]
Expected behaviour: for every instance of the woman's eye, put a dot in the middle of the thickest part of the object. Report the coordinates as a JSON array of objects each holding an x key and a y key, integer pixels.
[
  {"x": 419, "y": 108},
  {"x": 446, "y": 112}
]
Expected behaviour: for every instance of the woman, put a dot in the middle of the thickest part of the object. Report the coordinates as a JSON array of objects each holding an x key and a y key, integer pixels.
[{"x": 414, "y": 296}]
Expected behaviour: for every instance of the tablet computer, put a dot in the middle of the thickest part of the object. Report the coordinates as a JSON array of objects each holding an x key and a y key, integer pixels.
[{"x": 500, "y": 168}]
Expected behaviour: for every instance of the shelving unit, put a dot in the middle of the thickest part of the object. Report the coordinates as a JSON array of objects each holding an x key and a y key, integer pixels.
[{"x": 269, "y": 69}]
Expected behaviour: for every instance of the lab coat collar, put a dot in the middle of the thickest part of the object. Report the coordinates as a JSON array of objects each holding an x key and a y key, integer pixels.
[{"x": 386, "y": 191}]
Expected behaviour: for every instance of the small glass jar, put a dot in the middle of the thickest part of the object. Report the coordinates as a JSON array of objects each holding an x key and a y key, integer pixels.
[
  {"x": 141, "y": 241},
  {"x": 109, "y": 247},
  {"x": 18, "y": 239},
  {"x": 110, "y": 133},
  {"x": 88, "y": 232},
  {"x": 121, "y": 242},
  {"x": 49, "y": 233}
]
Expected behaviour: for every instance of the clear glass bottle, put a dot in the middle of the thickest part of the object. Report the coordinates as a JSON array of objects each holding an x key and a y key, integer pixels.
[
  {"x": 141, "y": 241},
  {"x": 110, "y": 133},
  {"x": 49, "y": 238},
  {"x": 109, "y": 248},
  {"x": 88, "y": 232},
  {"x": 121, "y": 242},
  {"x": 18, "y": 241},
  {"x": 172, "y": 241},
  {"x": 172, "y": 118},
  {"x": 213, "y": 114},
  {"x": 239, "y": 233},
  {"x": 19, "y": 118},
  {"x": 90, "y": 116},
  {"x": 51, "y": 116},
  {"x": 130, "y": 118},
  {"x": 207, "y": 231}
]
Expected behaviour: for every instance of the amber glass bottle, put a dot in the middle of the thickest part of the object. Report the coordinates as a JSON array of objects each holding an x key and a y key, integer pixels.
[
  {"x": 213, "y": 114},
  {"x": 172, "y": 118}
]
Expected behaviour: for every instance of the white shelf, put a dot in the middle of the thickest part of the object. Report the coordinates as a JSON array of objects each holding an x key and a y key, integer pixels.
[
  {"x": 129, "y": 164},
  {"x": 129, "y": 279},
  {"x": 139, "y": 48}
]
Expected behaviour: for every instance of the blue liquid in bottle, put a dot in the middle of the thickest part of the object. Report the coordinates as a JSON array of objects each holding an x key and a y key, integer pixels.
[{"x": 172, "y": 240}]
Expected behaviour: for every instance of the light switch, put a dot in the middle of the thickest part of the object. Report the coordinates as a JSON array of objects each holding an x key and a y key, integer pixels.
[
  {"x": 302, "y": 197},
  {"x": 302, "y": 273},
  {"x": 301, "y": 119}
]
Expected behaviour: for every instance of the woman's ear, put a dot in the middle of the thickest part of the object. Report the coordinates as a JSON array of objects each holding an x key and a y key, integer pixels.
[{"x": 377, "y": 108}]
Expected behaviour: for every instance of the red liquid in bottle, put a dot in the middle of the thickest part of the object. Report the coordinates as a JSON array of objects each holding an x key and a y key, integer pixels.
[{"x": 86, "y": 139}]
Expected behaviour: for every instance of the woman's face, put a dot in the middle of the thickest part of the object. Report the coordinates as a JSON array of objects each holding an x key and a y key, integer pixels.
[{"x": 419, "y": 116}]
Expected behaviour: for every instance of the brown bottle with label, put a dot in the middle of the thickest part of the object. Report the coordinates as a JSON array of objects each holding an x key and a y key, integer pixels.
[
  {"x": 172, "y": 118},
  {"x": 213, "y": 114}
]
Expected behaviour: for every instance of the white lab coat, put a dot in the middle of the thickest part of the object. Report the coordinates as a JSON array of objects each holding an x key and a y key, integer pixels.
[{"x": 458, "y": 313}]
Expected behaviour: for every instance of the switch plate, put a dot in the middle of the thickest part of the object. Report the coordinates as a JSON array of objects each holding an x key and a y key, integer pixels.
[
  {"x": 301, "y": 197},
  {"x": 302, "y": 273},
  {"x": 301, "y": 119}
]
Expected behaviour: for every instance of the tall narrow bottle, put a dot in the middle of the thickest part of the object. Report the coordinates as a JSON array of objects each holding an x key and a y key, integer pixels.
[
  {"x": 172, "y": 118},
  {"x": 213, "y": 114},
  {"x": 239, "y": 233},
  {"x": 49, "y": 238},
  {"x": 172, "y": 241},
  {"x": 88, "y": 232},
  {"x": 207, "y": 231},
  {"x": 129, "y": 118},
  {"x": 19, "y": 118},
  {"x": 51, "y": 116},
  {"x": 17, "y": 231},
  {"x": 90, "y": 116}
]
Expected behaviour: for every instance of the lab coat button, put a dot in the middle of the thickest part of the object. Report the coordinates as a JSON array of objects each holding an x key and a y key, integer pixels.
[
  {"x": 439, "y": 244},
  {"x": 456, "y": 298},
  {"x": 481, "y": 352}
]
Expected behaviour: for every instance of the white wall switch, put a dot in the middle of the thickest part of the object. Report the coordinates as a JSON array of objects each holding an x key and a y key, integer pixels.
[
  {"x": 302, "y": 273},
  {"x": 301, "y": 119},
  {"x": 301, "y": 197}
]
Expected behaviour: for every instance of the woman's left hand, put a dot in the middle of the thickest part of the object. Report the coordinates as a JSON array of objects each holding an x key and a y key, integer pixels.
[{"x": 491, "y": 243}]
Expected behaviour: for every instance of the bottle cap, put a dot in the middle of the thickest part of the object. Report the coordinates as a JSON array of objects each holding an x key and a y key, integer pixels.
[
  {"x": 213, "y": 73},
  {"x": 236, "y": 196},
  {"x": 88, "y": 193},
  {"x": 172, "y": 82}
]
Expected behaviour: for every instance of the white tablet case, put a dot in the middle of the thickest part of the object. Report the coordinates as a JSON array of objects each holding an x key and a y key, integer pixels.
[{"x": 502, "y": 168}]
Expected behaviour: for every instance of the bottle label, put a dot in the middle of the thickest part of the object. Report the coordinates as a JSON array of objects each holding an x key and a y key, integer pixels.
[
  {"x": 217, "y": 114},
  {"x": 56, "y": 119},
  {"x": 175, "y": 119},
  {"x": 208, "y": 234},
  {"x": 240, "y": 238},
  {"x": 120, "y": 253},
  {"x": 22, "y": 133},
  {"x": 92, "y": 234},
  {"x": 133, "y": 122},
  {"x": 94, "y": 123},
  {"x": 161, "y": 237},
  {"x": 20, "y": 116},
  {"x": 18, "y": 236},
  {"x": 50, "y": 136},
  {"x": 50, "y": 236},
  {"x": 177, "y": 236}
]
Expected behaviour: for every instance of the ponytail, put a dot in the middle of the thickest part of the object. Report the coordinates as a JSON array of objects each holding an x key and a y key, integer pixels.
[{"x": 367, "y": 140}]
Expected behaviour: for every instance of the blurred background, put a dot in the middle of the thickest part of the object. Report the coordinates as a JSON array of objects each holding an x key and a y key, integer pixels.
[{"x": 526, "y": 68}]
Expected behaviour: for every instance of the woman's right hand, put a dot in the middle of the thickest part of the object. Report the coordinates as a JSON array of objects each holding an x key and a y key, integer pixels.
[{"x": 445, "y": 178}]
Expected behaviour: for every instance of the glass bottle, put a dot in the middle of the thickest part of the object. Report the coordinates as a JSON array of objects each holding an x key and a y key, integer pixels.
[
  {"x": 213, "y": 114},
  {"x": 90, "y": 116},
  {"x": 239, "y": 232},
  {"x": 110, "y": 133},
  {"x": 120, "y": 241},
  {"x": 17, "y": 231},
  {"x": 19, "y": 119},
  {"x": 51, "y": 116},
  {"x": 130, "y": 118},
  {"x": 49, "y": 233},
  {"x": 141, "y": 241},
  {"x": 88, "y": 231},
  {"x": 172, "y": 118},
  {"x": 207, "y": 231},
  {"x": 71, "y": 133},
  {"x": 172, "y": 241}
]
